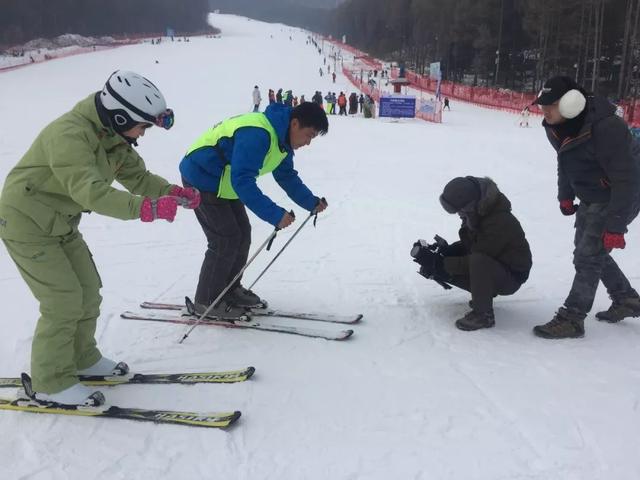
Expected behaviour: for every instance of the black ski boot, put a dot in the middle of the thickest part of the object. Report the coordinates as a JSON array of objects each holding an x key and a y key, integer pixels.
[
  {"x": 567, "y": 323},
  {"x": 476, "y": 320},
  {"x": 223, "y": 311},
  {"x": 620, "y": 309},
  {"x": 242, "y": 297}
]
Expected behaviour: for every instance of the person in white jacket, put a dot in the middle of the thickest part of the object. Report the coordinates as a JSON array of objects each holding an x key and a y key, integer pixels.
[
  {"x": 524, "y": 117},
  {"x": 257, "y": 98}
]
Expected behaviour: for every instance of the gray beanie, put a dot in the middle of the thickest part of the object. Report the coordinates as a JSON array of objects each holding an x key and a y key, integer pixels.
[{"x": 460, "y": 192}]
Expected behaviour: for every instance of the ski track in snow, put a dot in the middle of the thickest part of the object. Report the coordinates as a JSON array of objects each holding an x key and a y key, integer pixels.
[{"x": 409, "y": 396}]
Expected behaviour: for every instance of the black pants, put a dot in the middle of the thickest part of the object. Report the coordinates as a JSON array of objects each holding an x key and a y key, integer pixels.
[
  {"x": 226, "y": 225},
  {"x": 483, "y": 276}
]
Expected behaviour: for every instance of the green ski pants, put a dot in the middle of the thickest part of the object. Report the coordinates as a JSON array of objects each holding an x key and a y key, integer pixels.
[{"x": 62, "y": 276}]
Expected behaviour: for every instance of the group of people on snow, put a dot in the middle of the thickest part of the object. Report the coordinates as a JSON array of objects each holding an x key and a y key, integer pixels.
[
  {"x": 284, "y": 97},
  {"x": 72, "y": 163}
]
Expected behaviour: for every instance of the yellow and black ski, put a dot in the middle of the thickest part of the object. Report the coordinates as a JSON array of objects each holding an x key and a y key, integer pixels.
[
  {"x": 232, "y": 376},
  {"x": 190, "y": 419}
]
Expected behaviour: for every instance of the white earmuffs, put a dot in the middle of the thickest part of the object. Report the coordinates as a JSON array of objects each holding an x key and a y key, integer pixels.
[{"x": 572, "y": 104}]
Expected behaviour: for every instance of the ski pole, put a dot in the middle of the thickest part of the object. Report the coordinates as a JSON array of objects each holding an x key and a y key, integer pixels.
[
  {"x": 312, "y": 214},
  {"x": 226, "y": 289}
]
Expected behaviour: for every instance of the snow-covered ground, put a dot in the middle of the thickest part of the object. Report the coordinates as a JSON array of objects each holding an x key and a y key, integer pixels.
[{"x": 409, "y": 396}]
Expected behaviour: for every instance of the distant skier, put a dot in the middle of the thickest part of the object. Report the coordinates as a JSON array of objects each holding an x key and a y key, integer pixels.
[
  {"x": 272, "y": 96},
  {"x": 328, "y": 98},
  {"x": 69, "y": 170},
  {"x": 334, "y": 101},
  {"x": 369, "y": 107},
  {"x": 492, "y": 257},
  {"x": 235, "y": 152},
  {"x": 317, "y": 98},
  {"x": 446, "y": 104},
  {"x": 320, "y": 70},
  {"x": 353, "y": 103},
  {"x": 257, "y": 98},
  {"x": 342, "y": 103},
  {"x": 524, "y": 117},
  {"x": 287, "y": 98},
  {"x": 361, "y": 102},
  {"x": 599, "y": 163},
  {"x": 279, "y": 96},
  {"x": 333, "y": 75}
]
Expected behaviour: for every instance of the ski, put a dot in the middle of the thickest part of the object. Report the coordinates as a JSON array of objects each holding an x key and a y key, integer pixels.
[
  {"x": 191, "y": 419},
  {"x": 269, "y": 312},
  {"x": 231, "y": 376},
  {"x": 251, "y": 324}
]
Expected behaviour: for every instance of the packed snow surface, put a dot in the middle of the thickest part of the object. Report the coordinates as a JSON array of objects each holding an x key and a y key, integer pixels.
[{"x": 409, "y": 396}]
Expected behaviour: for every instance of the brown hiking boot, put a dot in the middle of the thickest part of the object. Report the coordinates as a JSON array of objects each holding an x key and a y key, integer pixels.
[
  {"x": 566, "y": 323},
  {"x": 476, "y": 320},
  {"x": 620, "y": 309}
]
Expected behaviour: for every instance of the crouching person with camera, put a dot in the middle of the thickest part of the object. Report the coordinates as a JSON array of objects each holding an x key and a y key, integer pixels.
[{"x": 492, "y": 257}]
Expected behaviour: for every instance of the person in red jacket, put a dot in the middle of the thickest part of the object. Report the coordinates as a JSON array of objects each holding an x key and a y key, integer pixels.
[{"x": 342, "y": 103}]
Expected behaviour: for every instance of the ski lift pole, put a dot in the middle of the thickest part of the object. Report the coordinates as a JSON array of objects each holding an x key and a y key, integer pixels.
[
  {"x": 267, "y": 244},
  {"x": 314, "y": 213}
]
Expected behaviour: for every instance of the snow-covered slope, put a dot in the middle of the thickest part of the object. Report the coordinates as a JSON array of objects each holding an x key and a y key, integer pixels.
[{"x": 409, "y": 396}]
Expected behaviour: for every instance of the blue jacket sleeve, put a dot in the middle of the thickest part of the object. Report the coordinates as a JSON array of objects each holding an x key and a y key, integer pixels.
[
  {"x": 250, "y": 147},
  {"x": 287, "y": 177}
]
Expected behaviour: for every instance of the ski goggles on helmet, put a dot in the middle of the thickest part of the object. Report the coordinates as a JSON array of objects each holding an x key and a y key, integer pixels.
[{"x": 165, "y": 119}]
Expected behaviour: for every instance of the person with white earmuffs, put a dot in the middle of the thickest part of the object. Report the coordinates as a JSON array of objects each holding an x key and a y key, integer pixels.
[{"x": 599, "y": 164}]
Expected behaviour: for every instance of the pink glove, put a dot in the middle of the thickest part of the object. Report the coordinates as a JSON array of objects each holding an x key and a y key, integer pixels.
[
  {"x": 613, "y": 240},
  {"x": 190, "y": 195},
  {"x": 163, "y": 207}
]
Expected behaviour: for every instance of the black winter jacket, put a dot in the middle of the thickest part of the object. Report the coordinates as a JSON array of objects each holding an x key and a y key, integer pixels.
[
  {"x": 601, "y": 164},
  {"x": 496, "y": 232}
]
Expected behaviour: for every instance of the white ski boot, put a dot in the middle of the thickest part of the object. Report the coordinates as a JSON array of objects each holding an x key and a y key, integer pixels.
[
  {"x": 76, "y": 395},
  {"x": 105, "y": 367}
]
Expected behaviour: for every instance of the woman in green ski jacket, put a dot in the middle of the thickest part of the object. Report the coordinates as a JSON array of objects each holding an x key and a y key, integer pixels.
[{"x": 68, "y": 170}]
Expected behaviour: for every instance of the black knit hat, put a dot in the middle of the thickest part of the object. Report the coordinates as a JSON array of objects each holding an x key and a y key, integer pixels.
[
  {"x": 554, "y": 88},
  {"x": 459, "y": 193}
]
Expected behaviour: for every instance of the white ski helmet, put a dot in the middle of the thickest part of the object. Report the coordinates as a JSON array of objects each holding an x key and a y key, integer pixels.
[{"x": 130, "y": 99}]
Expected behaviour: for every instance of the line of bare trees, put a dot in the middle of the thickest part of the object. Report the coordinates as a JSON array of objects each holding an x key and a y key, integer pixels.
[
  {"x": 23, "y": 20},
  {"x": 507, "y": 43}
]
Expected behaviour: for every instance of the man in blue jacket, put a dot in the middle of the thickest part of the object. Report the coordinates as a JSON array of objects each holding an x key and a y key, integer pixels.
[{"x": 224, "y": 164}]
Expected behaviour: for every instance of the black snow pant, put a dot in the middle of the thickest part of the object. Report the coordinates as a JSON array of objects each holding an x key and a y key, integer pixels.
[
  {"x": 226, "y": 225},
  {"x": 482, "y": 276},
  {"x": 592, "y": 262}
]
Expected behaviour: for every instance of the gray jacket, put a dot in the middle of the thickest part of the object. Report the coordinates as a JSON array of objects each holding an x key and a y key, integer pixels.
[{"x": 601, "y": 164}]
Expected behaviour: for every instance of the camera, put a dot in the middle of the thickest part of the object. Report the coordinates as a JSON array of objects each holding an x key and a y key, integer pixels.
[
  {"x": 421, "y": 251},
  {"x": 429, "y": 257}
]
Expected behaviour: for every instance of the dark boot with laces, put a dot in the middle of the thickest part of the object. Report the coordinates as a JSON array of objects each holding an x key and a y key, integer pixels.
[
  {"x": 567, "y": 323},
  {"x": 476, "y": 320},
  {"x": 620, "y": 309}
]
